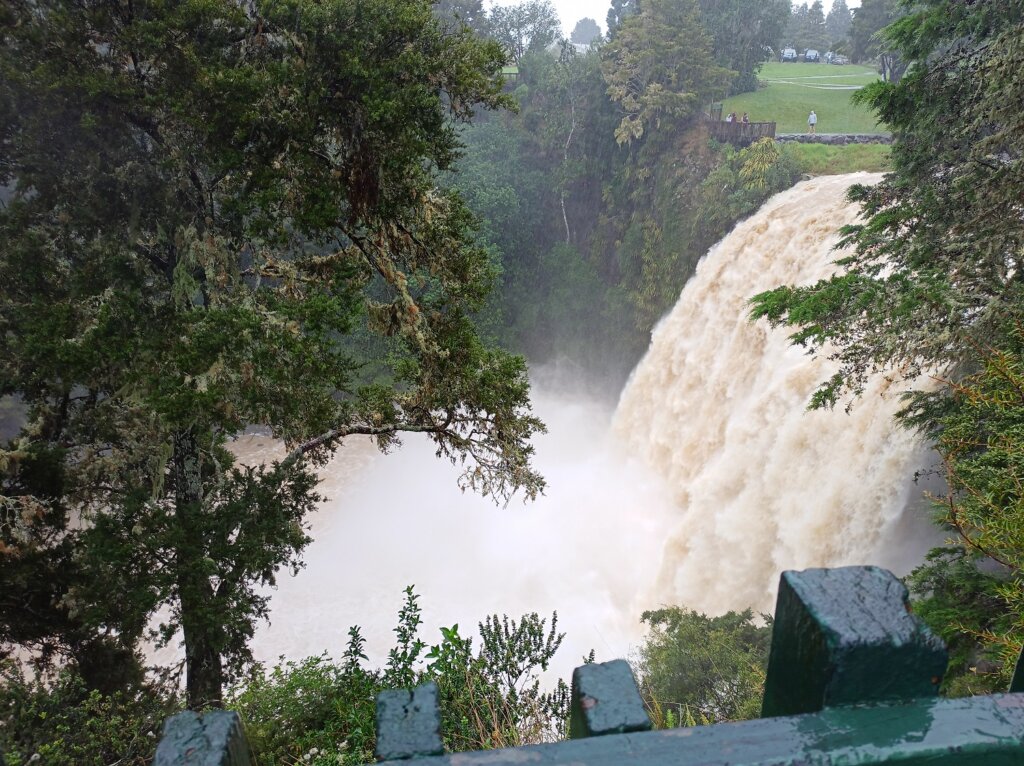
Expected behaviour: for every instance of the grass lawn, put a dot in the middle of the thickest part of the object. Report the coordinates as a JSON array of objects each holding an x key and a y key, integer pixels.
[
  {"x": 823, "y": 160},
  {"x": 793, "y": 90}
]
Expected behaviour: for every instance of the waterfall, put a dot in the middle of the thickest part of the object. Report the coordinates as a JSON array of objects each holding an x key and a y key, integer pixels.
[
  {"x": 716, "y": 408},
  {"x": 707, "y": 481}
]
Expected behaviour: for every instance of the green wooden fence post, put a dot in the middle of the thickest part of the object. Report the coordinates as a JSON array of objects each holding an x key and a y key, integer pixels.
[
  {"x": 215, "y": 738},
  {"x": 605, "y": 700},
  {"x": 844, "y": 636},
  {"x": 1017, "y": 682},
  {"x": 409, "y": 723}
]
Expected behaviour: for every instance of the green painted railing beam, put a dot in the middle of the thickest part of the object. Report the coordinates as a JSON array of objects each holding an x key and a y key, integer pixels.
[
  {"x": 924, "y": 732},
  {"x": 605, "y": 700},
  {"x": 844, "y": 636},
  {"x": 409, "y": 723},
  {"x": 215, "y": 738}
]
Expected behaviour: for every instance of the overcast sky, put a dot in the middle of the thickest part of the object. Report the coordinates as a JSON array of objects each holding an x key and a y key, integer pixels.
[{"x": 571, "y": 11}]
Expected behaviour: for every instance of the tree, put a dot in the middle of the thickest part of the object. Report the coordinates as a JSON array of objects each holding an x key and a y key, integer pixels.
[
  {"x": 227, "y": 214},
  {"x": 659, "y": 68},
  {"x": 619, "y": 11},
  {"x": 468, "y": 12},
  {"x": 974, "y": 589},
  {"x": 838, "y": 23},
  {"x": 585, "y": 32},
  {"x": 806, "y": 26},
  {"x": 702, "y": 669},
  {"x": 866, "y": 39},
  {"x": 744, "y": 33},
  {"x": 529, "y": 26},
  {"x": 816, "y": 35},
  {"x": 796, "y": 29}
]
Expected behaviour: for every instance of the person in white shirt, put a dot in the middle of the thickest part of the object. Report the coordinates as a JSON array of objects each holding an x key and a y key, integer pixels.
[{"x": 812, "y": 120}]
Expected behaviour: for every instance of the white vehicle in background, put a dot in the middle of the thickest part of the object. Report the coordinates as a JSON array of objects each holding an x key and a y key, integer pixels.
[{"x": 788, "y": 54}]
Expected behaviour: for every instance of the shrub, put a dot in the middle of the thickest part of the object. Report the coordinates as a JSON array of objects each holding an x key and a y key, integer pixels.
[
  {"x": 57, "y": 721},
  {"x": 316, "y": 712},
  {"x": 694, "y": 669}
]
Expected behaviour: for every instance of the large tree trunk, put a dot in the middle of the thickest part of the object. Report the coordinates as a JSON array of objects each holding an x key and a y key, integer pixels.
[{"x": 204, "y": 672}]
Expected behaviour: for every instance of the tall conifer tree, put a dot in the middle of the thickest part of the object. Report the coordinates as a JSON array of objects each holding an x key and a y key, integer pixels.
[{"x": 225, "y": 214}]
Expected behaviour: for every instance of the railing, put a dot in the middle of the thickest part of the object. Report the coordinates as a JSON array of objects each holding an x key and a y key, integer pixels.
[
  {"x": 740, "y": 133},
  {"x": 853, "y": 678}
]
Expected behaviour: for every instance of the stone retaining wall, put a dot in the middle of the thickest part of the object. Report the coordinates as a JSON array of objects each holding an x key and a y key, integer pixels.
[{"x": 835, "y": 139}]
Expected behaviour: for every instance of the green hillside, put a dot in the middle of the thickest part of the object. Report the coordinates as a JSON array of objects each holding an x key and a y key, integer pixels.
[{"x": 792, "y": 90}]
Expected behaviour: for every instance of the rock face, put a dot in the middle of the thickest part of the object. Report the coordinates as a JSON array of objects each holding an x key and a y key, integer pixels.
[{"x": 835, "y": 139}]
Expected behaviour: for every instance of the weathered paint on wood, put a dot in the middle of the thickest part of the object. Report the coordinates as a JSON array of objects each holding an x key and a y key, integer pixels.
[
  {"x": 605, "y": 700},
  {"x": 924, "y": 732},
  {"x": 215, "y": 738},
  {"x": 844, "y": 636},
  {"x": 409, "y": 723}
]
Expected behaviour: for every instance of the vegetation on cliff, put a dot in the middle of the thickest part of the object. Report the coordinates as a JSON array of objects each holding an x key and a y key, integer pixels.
[{"x": 933, "y": 286}]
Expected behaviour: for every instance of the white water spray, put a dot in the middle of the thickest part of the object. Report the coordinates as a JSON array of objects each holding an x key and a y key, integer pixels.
[
  {"x": 744, "y": 482},
  {"x": 717, "y": 408}
]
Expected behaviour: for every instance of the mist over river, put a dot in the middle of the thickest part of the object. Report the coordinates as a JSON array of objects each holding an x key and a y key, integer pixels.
[{"x": 707, "y": 481}]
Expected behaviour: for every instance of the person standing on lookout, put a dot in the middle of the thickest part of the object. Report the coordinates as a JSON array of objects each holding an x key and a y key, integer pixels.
[{"x": 812, "y": 120}]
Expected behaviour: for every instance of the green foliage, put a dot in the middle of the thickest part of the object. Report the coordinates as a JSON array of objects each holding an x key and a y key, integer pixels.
[
  {"x": 868, "y": 40},
  {"x": 659, "y": 68},
  {"x": 323, "y": 713},
  {"x": 311, "y": 707},
  {"x": 544, "y": 171},
  {"x": 492, "y": 698},
  {"x": 615, "y": 231},
  {"x": 740, "y": 181},
  {"x": 974, "y": 589},
  {"x": 61, "y": 722},
  {"x": 694, "y": 669},
  {"x": 618, "y": 12},
  {"x": 468, "y": 12},
  {"x": 743, "y": 35},
  {"x": 530, "y": 25},
  {"x": 210, "y": 202},
  {"x": 585, "y": 32},
  {"x": 838, "y": 23},
  {"x": 806, "y": 27},
  {"x": 963, "y": 606}
]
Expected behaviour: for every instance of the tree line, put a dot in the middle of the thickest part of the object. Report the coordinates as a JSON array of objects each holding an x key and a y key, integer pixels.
[{"x": 607, "y": 165}]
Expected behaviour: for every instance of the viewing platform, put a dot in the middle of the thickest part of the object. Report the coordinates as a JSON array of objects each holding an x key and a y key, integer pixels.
[{"x": 740, "y": 133}]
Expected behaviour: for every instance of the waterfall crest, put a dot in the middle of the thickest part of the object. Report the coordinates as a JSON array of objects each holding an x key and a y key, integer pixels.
[{"x": 716, "y": 407}]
